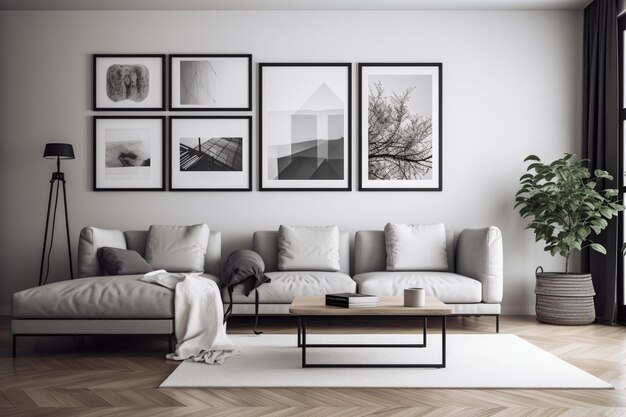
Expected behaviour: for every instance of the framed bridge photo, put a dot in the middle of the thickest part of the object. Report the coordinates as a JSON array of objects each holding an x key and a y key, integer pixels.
[
  {"x": 210, "y": 153},
  {"x": 400, "y": 131}
]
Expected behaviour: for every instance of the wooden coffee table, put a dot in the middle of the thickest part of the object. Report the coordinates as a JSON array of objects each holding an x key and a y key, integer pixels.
[{"x": 307, "y": 308}]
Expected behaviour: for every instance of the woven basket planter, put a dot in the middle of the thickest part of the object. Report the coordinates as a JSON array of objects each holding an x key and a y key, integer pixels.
[{"x": 564, "y": 298}]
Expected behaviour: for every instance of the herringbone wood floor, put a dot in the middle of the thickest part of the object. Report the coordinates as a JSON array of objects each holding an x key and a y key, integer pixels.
[{"x": 98, "y": 376}]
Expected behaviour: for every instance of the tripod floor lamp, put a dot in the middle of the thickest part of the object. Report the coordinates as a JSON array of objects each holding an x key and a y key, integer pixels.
[{"x": 56, "y": 151}]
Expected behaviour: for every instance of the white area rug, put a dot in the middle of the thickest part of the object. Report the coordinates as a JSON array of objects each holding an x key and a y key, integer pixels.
[{"x": 473, "y": 361}]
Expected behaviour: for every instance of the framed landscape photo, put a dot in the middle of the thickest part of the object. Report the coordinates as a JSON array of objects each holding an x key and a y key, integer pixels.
[
  {"x": 211, "y": 82},
  {"x": 304, "y": 126},
  {"x": 211, "y": 153},
  {"x": 128, "y": 153},
  {"x": 128, "y": 82},
  {"x": 400, "y": 135}
]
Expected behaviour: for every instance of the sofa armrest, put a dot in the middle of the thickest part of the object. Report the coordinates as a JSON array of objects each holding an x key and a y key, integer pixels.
[{"x": 479, "y": 255}]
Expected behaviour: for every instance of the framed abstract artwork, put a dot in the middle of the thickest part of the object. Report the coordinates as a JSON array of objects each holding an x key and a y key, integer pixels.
[
  {"x": 400, "y": 130},
  {"x": 304, "y": 126},
  {"x": 128, "y": 82},
  {"x": 128, "y": 153},
  {"x": 210, "y": 153},
  {"x": 211, "y": 82}
]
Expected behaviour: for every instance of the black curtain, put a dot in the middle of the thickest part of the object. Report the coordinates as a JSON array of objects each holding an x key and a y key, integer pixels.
[{"x": 601, "y": 139}]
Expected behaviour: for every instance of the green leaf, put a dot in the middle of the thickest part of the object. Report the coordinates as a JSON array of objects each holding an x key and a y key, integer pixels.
[
  {"x": 598, "y": 248},
  {"x": 532, "y": 158}
]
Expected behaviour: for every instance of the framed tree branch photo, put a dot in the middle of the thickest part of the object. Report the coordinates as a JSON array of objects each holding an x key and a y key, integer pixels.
[
  {"x": 400, "y": 127},
  {"x": 304, "y": 126}
]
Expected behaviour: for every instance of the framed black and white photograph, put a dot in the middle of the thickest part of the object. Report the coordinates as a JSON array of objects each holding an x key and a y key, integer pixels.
[
  {"x": 211, "y": 153},
  {"x": 128, "y": 82},
  {"x": 304, "y": 128},
  {"x": 400, "y": 135},
  {"x": 211, "y": 82},
  {"x": 128, "y": 153}
]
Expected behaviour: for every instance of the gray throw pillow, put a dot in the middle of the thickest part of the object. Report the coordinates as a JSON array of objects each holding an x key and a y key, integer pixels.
[{"x": 115, "y": 261}]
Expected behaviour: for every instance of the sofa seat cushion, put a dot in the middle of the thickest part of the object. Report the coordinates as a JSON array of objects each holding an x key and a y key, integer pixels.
[
  {"x": 108, "y": 297},
  {"x": 286, "y": 285},
  {"x": 446, "y": 286}
]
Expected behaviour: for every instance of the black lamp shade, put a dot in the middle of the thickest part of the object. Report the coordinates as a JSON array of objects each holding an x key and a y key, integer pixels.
[{"x": 58, "y": 150}]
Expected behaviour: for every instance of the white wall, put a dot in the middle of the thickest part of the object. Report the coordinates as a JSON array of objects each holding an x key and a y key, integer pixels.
[{"x": 511, "y": 83}]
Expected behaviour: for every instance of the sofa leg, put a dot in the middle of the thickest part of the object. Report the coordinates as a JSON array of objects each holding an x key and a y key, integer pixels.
[
  {"x": 497, "y": 323},
  {"x": 170, "y": 343},
  {"x": 14, "y": 345}
]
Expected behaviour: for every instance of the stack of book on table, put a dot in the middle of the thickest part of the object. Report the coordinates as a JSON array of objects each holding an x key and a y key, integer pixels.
[{"x": 351, "y": 300}]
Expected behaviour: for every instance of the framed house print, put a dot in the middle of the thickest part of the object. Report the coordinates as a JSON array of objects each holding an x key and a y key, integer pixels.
[
  {"x": 128, "y": 153},
  {"x": 129, "y": 82},
  {"x": 211, "y": 153},
  {"x": 304, "y": 126},
  {"x": 211, "y": 82},
  {"x": 400, "y": 127}
]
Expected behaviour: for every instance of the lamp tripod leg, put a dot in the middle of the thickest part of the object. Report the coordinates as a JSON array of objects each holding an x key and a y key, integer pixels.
[
  {"x": 45, "y": 238},
  {"x": 67, "y": 231}
]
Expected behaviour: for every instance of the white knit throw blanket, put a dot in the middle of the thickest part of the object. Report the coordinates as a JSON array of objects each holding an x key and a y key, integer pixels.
[{"x": 198, "y": 317}]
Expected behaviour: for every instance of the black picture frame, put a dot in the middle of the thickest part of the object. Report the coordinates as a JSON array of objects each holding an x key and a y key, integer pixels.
[
  {"x": 95, "y": 155},
  {"x": 439, "y": 139},
  {"x": 248, "y": 159},
  {"x": 173, "y": 107},
  {"x": 96, "y": 107},
  {"x": 348, "y": 150}
]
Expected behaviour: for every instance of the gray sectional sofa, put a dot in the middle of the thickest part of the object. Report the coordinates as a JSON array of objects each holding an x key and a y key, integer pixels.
[{"x": 96, "y": 304}]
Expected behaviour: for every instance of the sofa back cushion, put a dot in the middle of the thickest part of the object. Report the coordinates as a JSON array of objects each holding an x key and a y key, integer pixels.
[
  {"x": 370, "y": 254},
  {"x": 91, "y": 239},
  {"x": 416, "y": 247},
  {"x": 308, "y": 248},
  {"x": 177, "y": 248},
  {"x": 136, "y": 240},
  {"x": 265, "y": 243}
]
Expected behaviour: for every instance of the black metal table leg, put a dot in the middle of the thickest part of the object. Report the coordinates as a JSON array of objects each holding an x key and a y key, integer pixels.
[
  {"x": 304, "y": 365},
  {"x": 424, "y": 330},
  {"x": 443, "y": 341},
  {"x": 299, "y": 332}
]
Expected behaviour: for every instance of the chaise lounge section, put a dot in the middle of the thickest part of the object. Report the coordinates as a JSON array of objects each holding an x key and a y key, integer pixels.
[{"x": 97, "y": 304}]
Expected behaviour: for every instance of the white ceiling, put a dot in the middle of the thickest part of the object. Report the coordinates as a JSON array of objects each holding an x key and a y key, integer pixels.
[{"x": 293, "y": 4}]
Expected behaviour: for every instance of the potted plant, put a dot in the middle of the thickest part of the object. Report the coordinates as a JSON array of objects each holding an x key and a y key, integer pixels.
[{"x": 564, "y": 209}]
